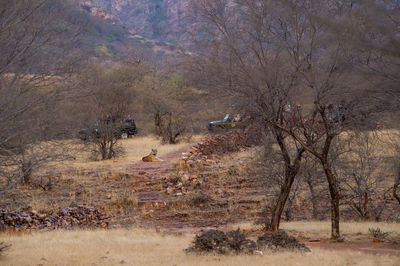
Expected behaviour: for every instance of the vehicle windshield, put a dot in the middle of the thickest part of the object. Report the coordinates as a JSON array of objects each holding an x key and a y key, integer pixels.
[{"x": 226, "y": 117}]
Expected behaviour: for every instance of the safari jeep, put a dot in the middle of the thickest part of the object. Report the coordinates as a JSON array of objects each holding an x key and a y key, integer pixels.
[{"x": 227, "y": 123}]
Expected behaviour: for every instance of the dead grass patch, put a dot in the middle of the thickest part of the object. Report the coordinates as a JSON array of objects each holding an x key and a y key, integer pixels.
[
  {"x": 322, "y": 229},
  {"x": 142, "y": 247},
  {"x": 135, "y": 148}
]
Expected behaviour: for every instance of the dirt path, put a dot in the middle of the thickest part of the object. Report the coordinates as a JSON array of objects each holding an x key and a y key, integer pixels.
[
  {"x": 178, "y": 213},
  {"x": 367, "y": 247}
]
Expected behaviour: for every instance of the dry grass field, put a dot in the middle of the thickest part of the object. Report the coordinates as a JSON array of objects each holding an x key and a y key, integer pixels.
[
  {"x": 143, "y": 247},
  {"x": 134, "y": 149},
  {"x": 87, "y": 176},
  {"x": 322, "y": 229}
]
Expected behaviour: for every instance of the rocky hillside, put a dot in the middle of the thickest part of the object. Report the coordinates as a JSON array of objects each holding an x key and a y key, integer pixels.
[{"x": 161, "y": 20}]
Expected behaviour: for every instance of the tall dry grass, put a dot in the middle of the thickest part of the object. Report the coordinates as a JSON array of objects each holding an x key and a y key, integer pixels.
[{"x": 141, "y": 247}]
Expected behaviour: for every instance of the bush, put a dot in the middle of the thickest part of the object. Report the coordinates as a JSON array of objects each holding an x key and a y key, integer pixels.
[
  {"x": 280, "y": 240},
  {"x": 198, "y": 199},
  {"x": 221, "y": 243}
]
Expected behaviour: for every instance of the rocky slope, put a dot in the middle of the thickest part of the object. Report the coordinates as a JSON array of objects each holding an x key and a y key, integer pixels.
[{"x": 161, "y": 20}]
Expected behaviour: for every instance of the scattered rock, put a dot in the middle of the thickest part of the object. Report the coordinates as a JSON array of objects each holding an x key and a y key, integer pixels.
[
  {"x": 340, "y": 239},
  {"x": 259, "y": 252},
  {"x": 170, "y": 190},
  {"x": 205, "y": 154},
  {"x": 66, "y": 218},
  {"x": 185, "y": 178},
  {"x": 219, "y": 191}
]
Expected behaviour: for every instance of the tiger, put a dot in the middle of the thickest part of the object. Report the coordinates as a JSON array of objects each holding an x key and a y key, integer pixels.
[{"x": 152, "y": 157}]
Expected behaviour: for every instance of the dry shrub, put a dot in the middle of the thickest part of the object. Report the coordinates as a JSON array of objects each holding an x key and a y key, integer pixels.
[
  {"x": 199, "y": 199},
  {"x": 280, "y": 240},
  {"x": 377, "y": 233},
  {"x": 125, "y": 200},
  {"x": 218, "y": 242}
]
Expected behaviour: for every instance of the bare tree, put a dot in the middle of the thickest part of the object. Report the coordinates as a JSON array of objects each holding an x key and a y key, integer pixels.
[
  {"x": 267, "y": 54},
  {"x": 170, "y": 100},
  {"x": 38, "y": 41},
  {"x": 362, "y": 174},
  {"x": 378, "y": 40},
  {"x": 253, "y": 67},
  {"x": 110, "y": 93}
]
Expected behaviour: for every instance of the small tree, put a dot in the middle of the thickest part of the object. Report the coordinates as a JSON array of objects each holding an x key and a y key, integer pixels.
[
  {"x": 169, "y": 98},
  {"x": 361, "y": 173},
  {"x": 110, "y": 94},
  {"x": 170, "y": 126},
  {"x": 104, "y": 138}
]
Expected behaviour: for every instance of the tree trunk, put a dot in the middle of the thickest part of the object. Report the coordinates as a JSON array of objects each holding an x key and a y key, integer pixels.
[
  {"x": 335, "y": 197},
  {"x": 313, "y": 199},
  {"x": 280, "y": 204},
  {"x": 396, "y": 186},
  {"x": 290, "y": 174}
]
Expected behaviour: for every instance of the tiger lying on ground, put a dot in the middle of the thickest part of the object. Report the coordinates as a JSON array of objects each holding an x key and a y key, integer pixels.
[{"x": 152, "y": 157}]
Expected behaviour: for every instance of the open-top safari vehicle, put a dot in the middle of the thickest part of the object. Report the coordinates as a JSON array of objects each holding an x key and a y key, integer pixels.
[
  {"x": 121, "y": 128},
  {"x": 227, "y": 123}
]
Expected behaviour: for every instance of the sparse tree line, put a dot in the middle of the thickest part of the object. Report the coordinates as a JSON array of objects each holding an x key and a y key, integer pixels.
[
  {"x": 365, "y": 184},
  {"x": 309, "y": 73}
]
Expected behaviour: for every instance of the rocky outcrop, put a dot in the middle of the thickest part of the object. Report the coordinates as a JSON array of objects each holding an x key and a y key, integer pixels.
[
  {"x": 158, "y": 19},
  {"x": 207, "y": 153}
]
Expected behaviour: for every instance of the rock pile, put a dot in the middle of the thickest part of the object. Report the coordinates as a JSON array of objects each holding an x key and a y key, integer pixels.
[
  {"x": 203, "y": 155},
  {"x": 232, "y": 141},
  {"x": 66, "y": 219}
]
